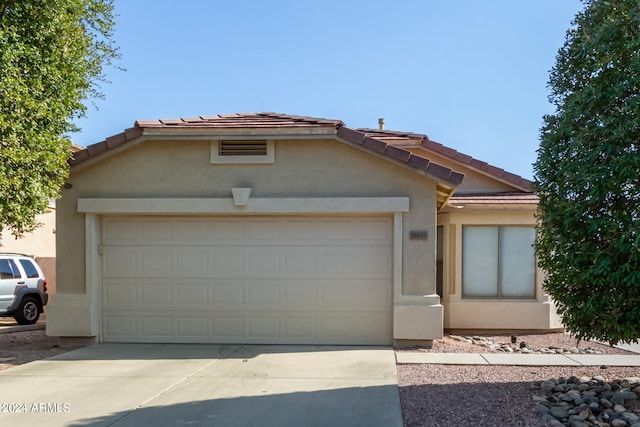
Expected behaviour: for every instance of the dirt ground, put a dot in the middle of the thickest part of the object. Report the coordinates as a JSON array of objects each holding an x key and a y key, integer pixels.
[{"x": 17, "y": 348}]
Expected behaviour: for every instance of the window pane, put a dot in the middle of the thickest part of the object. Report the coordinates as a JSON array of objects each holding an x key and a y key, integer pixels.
[
  {"x": 517, "y": 262},
  {"x": 480, "y": 261},
  {"x": 29, "y": 268},
  {"x": 6, "y": 271}
]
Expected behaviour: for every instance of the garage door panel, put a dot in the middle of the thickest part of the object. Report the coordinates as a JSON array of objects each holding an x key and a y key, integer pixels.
[
  {"x": 192, "y": 293},
  {"x": 121, "y": 326},
  {"x": 156, "y": 294},
  {"x": 300, "y": 262},
  {"x": 156, "y": 230},
  {"x": 263, "y": 260},
  {"x": 157, "y": 327},
  {"x": 155, "y": 262},
  {"x": 229, "y": 327},
  {"x": 261, "y": 229},
  {"x": 264, "y": 296},
  {"x": 120, "y": 231},
  {"x": 247, "y": 280},
  {"x": 193, "y": 261},
  {"x": 192, "y": 326},
  {"x": 228, "y": 294},
  {"x": 301, "y": 295},
  {"x": 119, "y": 261},
  {"x": 227, "y": 261},
  {"x": 193, "y": 231}
]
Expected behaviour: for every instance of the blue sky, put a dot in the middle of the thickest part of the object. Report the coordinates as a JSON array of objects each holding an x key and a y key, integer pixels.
[{"x": 470, "y": 74}]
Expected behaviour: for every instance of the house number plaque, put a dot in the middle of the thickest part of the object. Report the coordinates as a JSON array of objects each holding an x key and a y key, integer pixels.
[{"x": 418, "y": 234}]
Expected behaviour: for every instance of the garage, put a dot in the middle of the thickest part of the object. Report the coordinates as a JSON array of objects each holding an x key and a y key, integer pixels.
[{"x": 247, "y": 279}]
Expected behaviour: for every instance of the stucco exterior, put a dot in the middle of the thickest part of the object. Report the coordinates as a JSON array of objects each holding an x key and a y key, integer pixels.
[
  {"x": 316, "y": 169},
  {"x": 39, "y": 244}
]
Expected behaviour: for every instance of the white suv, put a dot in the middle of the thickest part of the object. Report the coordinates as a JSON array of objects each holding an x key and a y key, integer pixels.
[{"x": 23, "y": 288}]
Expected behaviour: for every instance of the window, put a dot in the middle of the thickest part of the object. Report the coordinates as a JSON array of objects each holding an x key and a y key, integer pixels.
[
  {"x": 8, "y": 269},
  {"x": 498, "y": 262},
  {"x": 247, "y": 151},
  {"x": 29, "y": 268}
]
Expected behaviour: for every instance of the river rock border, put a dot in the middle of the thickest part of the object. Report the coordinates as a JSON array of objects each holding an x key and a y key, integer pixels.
[
  {"x": 521, "y": 347},
  {"x": 589, "y": 401}
]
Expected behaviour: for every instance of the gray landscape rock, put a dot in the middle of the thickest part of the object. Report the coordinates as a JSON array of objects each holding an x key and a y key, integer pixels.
[{"x": 587, "y": 401}]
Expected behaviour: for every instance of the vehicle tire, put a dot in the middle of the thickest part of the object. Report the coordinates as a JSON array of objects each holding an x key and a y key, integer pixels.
[{"x": 28, "y": 313}]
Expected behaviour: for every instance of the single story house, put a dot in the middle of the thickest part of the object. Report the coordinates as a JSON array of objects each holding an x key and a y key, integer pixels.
[{"x": 272, "y": 228}]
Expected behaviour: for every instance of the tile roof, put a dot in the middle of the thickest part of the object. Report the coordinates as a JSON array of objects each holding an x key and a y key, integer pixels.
[
  {"x": 275, "y": 121},
  {"x": 410, "y": 140},
  {"x": 241, "y": 120}
]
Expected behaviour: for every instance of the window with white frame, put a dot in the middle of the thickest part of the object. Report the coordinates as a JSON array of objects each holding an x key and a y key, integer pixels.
[{"x": 498, "y": 262}]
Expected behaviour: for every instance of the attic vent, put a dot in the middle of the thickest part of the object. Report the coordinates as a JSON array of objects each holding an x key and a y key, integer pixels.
[
  {"x": 242, "y": 148},
  {"x": 243, "y": 152}
]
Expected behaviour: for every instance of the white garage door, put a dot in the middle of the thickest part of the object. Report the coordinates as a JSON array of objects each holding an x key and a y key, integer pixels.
[{"x": 288, "y": 280}]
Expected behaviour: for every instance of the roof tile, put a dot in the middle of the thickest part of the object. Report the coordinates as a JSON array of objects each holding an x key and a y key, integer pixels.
[
  {"x": 350, "y": 135},
  {"x": 96, "y": 149},
  {"x": 79, "y": 157},
  {"x": 418, "y": 162},
  {"x": 397, "y": 153},
  {"x": 171, "y": 122},
  {"x": 115, "y": 140},
  {"x": 374, "y": 144}
]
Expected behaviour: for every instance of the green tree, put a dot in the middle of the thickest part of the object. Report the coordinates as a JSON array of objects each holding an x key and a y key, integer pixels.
[
  {"x": 52, "y": 54},
  {"x": 587, "y": 175}
]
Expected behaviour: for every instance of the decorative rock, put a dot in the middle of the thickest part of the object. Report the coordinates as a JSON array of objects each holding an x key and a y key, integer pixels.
[
  {"x": 619, "y": 409},
  {"x": 588, "y": 401},
  {"x": 631, "y": 417},
  {"x": 559, "y": 411},
  {"x": 492, "y": 344},
  {"x": 606, "y": 403}
]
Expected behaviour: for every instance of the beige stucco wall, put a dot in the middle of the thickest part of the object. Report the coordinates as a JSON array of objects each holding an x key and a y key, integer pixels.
[
  {"x": 310, "y": 168},
  {"x": 40, "y": 244},
  {"x": 489, "y": 314}
]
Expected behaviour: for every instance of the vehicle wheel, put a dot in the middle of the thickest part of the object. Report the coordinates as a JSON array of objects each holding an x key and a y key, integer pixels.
[{"x": 28, "y": 312}]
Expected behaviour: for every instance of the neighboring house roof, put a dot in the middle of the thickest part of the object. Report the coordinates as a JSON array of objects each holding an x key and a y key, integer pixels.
[
  {"x": 414, "y": 140},
  {"x": 275, "y": 124},
  {"x": 494, "y": 199}
]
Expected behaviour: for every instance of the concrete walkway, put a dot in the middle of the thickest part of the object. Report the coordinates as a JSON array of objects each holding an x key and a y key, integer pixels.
[
  {"x": 220, "y": 385},
  {"x": 513, "y": 359}
]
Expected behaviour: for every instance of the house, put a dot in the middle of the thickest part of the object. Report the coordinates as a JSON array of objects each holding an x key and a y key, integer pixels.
[
  {"x": 272, "y": 228},
  {"x": 39, "y": 244}
]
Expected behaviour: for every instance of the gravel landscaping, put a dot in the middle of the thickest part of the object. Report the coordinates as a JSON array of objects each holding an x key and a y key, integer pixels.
[{"x": 446, "y": 395}]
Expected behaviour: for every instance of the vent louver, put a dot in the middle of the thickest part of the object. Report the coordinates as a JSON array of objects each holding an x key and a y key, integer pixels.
[{"x": 242, "y": 148}]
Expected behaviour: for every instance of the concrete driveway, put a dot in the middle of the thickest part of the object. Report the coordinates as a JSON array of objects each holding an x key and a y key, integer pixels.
[{"x": 218, "y": 385}]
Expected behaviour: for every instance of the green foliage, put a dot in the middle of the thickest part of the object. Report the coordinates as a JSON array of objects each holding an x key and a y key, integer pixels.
[
  {"x": 52, "y": 54},
  {"x": 588, "y": 175}
]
